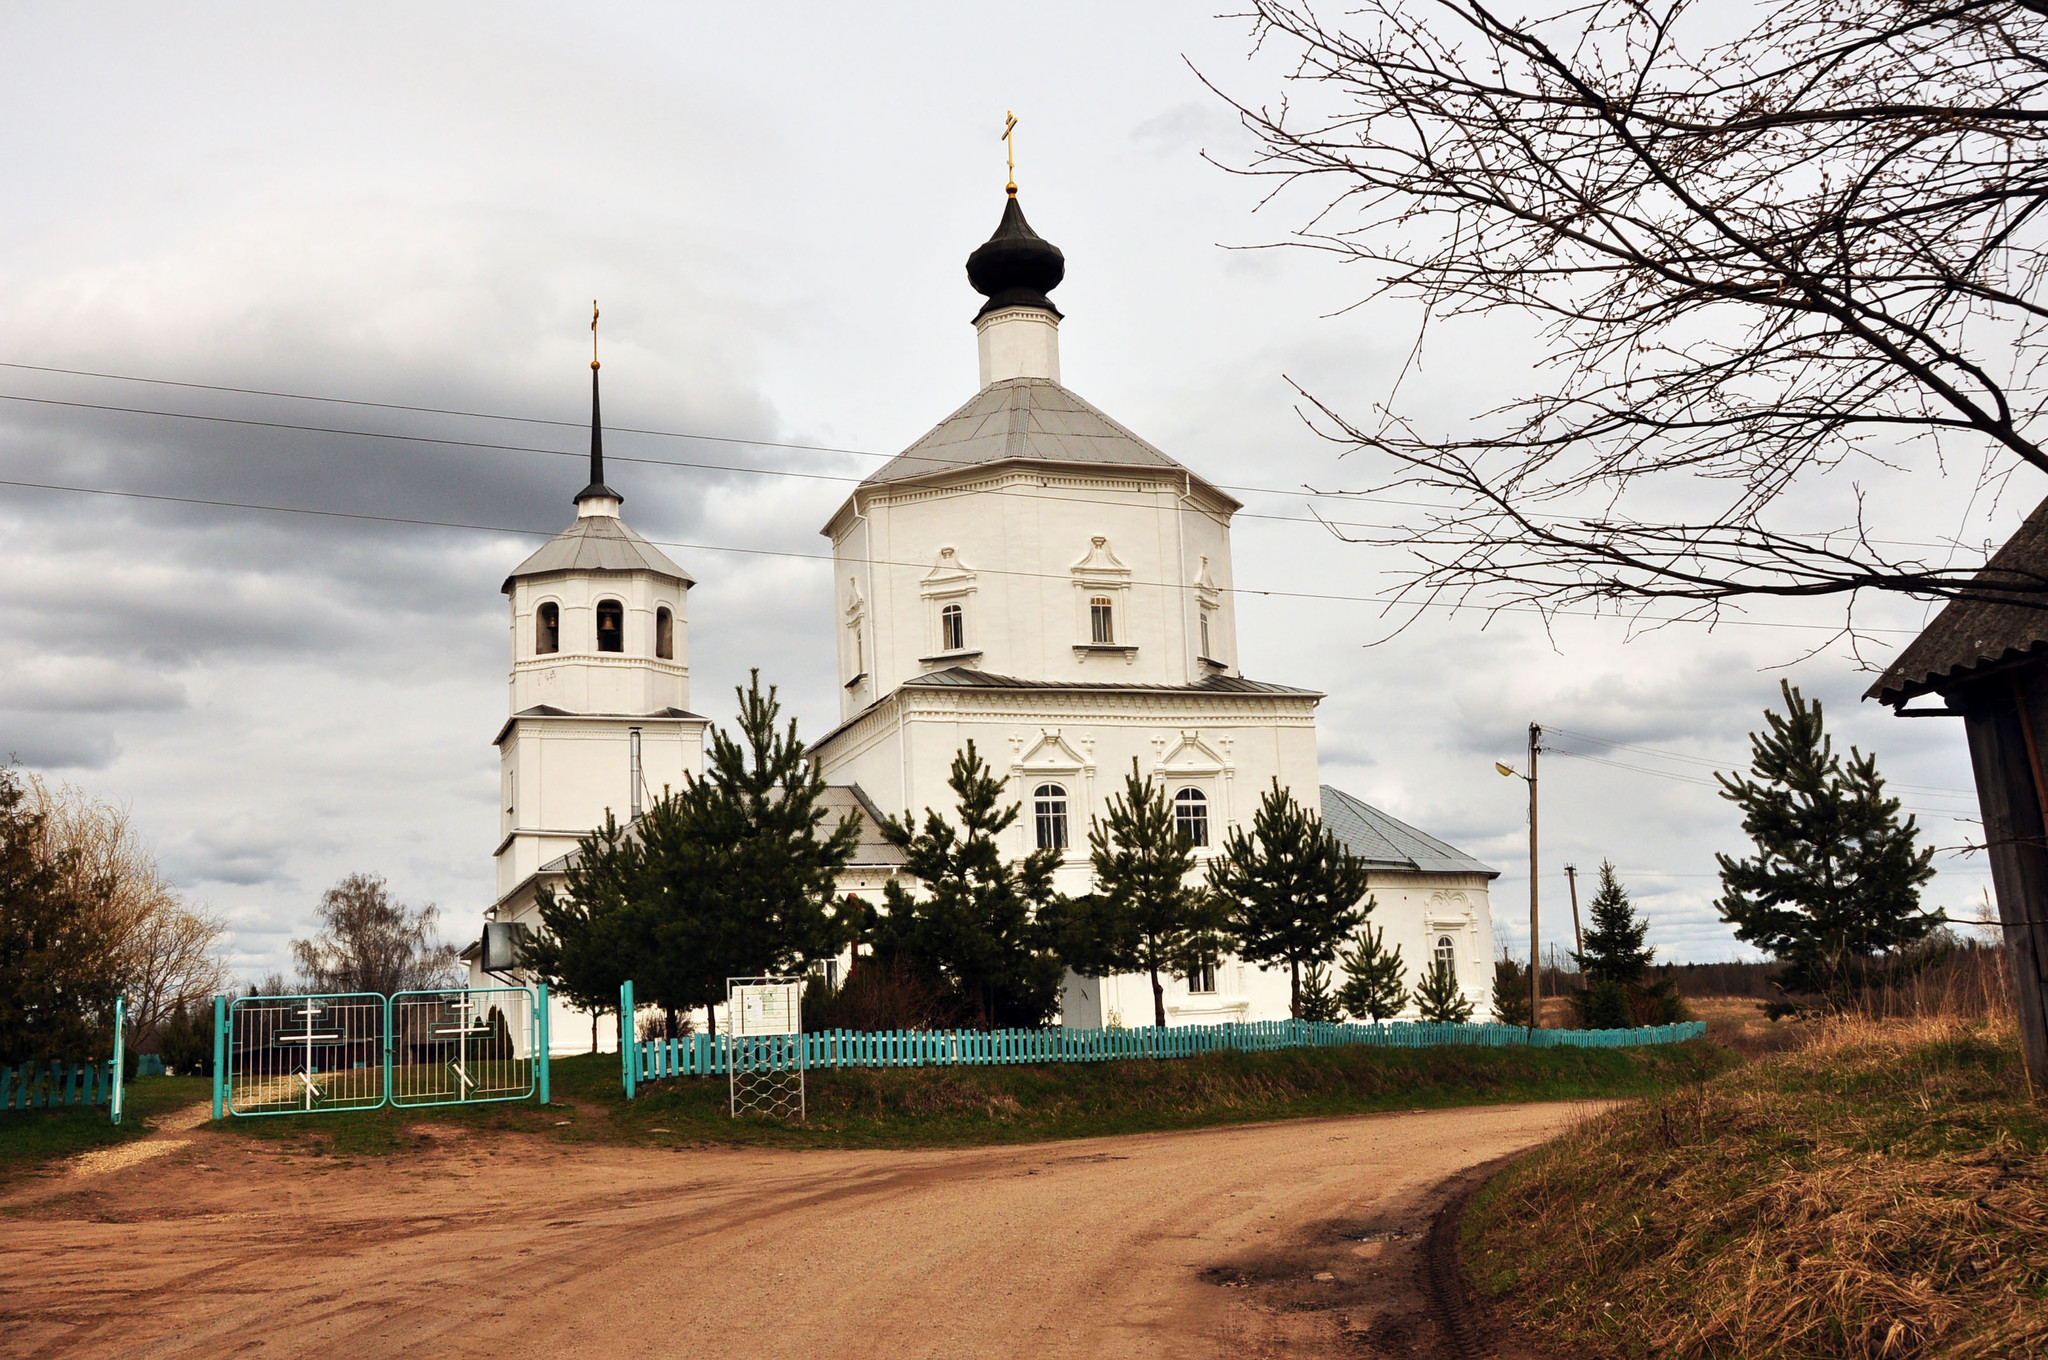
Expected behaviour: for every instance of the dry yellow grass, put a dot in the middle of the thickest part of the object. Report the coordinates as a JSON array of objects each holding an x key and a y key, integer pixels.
[{"x": 1880, "y": 1192}]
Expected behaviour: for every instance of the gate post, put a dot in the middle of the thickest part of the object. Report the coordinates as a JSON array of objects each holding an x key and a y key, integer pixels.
[
  {"x": 541, "y": 1040},
  {"x": 628, "y": 1034},
  {"x": 220, "y": 1054},
  {"x": 120, "y": 1059},
  {"x": 390, "y": 1019}
]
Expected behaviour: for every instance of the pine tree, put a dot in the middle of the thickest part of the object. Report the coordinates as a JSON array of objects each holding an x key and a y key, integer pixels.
[
  {"x": 1441, "y": 1000},
  {"x": 1144, "y": 915},
  {"x": 1294, "y": 892},
  {"x": 1835, "y": 881},
  {"x": 1318, "y": 1003},
  {"x": 982, "y": 922},
  {"x": 588, "y": 941},
  {"x": 732, "y": 876},
  {"x": 1510, "y": 991},
  {"x": 1375, "y": 981}
]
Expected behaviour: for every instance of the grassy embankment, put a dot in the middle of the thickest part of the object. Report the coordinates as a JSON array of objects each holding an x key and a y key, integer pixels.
[
  {"x": 1881, "y": 1191},
  {"x": 938, "y": 1107},
  {"x": 28, "y": 1137}
]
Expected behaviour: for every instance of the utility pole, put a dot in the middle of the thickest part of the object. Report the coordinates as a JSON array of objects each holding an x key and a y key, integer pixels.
[
  {"x": 1535, "y": 960},
  {"x": 1571, "y": 876}
]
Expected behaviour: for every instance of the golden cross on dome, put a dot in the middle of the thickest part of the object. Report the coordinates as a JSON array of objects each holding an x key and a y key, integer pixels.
[
  {"x": 593, "y": 332},
  {"x": 1010, "y": 148}
]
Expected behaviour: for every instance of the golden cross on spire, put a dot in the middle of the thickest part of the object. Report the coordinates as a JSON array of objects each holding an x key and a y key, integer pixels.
[
  {"x": 593, "y": 332},
  {"x": 1010, "y": 148}
]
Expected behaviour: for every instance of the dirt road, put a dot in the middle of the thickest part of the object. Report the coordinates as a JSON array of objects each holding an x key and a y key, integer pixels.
[{"x": 1291, "y": 1238}]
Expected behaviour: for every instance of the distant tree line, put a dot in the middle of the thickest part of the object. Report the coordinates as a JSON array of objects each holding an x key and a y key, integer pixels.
[{"x": 734, "y": 875}]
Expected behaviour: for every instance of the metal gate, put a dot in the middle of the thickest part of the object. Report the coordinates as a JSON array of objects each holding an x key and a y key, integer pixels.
[
  {"x": 358, "y": 1051},
  {"x": 298, "y": 1054},
  {"x": 463, "y": 1044}
]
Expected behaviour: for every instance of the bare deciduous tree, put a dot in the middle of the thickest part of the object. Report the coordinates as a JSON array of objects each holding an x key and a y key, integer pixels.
[
  {"x": 372, "y": 942},
  {"x": 166, "y": 948},
  {"x": 1813, "y": 249}
]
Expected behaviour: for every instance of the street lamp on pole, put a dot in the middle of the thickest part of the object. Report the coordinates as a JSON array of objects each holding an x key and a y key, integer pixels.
[{"x": 1535, "y": 964}]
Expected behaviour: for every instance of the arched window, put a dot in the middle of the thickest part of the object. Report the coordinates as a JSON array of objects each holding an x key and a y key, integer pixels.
[
  {"x": 1446, "y": 955},
  {"x": 1101, "y": 621},
  {"x": 1191, "y": 815},
  {"x": 547, "y": 629},
  {"x": 664, "y": 634},
  {"x": 611, "y": 626},
  {"x": 952, "y": 629},
  {"x": 1049, "y": 811},
  {"x": 1205, "y": 635}
]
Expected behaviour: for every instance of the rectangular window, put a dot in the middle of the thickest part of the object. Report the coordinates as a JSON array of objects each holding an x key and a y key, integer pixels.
[
  {"x": 1101, "y": 622},
  {"x": 1202, "y": 979},
  {"x": 1205, "y": 634}
]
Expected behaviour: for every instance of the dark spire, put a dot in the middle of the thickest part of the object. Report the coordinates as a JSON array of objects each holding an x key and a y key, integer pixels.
[
  {"x": 1016, "y": 267},
  {"x": 597, "y": 486}
]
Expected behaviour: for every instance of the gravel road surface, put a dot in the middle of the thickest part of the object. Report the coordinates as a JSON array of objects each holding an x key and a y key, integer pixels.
[{"x": 1291, "y": 1238}]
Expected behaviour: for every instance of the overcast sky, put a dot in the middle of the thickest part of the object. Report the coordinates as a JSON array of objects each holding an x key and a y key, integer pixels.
[{"x": 415, "y": 205}]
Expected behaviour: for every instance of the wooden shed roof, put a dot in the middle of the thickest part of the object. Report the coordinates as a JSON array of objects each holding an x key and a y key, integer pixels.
[{"x": 1971, "y": 637}]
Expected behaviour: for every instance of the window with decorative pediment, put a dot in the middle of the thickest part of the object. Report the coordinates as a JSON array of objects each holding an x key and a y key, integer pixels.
[
  {"x": 952, "y": 629},
  {"x": 1191, "y": 815}
]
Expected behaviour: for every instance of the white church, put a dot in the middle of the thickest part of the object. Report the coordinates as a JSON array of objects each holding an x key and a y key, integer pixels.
[{"x": 1031, "y": 576}]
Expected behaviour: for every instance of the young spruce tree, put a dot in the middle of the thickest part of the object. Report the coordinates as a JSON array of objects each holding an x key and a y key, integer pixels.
[
  {"x": 1295, "y": 894},
  {"x": 1510, "y": 991},
  {"x": 1144, "y": 916},
  {"x": 1612, "y": 958},
  {"x": 1835, "y": 880},
  {"x": 978, "y": 924},
  {"x": 1375, "y": 985},
  {"x": 1440, "y": 998}
]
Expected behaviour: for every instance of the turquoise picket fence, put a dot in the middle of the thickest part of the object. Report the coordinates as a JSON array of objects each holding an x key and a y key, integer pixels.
[
  {"x": 707, "y": 1055},
  {"x": 56, "y": 1085}
]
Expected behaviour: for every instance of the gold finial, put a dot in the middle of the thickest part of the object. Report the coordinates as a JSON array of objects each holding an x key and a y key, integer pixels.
[
  {"x": 1010, "y": 148},
  {"x": 593, "y": 332}
]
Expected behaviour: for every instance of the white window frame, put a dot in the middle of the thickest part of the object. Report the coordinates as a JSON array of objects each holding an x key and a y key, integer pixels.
[
  {"x": 1206, "y": 818},
  {"x": 1061, "y": 816}
]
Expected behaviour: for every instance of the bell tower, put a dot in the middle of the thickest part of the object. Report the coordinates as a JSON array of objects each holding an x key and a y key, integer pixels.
[{"x": 600, "y": 684}]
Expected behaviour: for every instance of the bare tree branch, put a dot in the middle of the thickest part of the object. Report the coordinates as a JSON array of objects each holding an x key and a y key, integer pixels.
[{"x": 1756, "y": 264}]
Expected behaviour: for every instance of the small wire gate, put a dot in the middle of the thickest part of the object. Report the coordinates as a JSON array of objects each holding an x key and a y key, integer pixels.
[{"x": 357, "y": 1051}]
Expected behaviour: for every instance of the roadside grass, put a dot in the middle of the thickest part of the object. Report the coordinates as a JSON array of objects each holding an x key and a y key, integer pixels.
[
  {"x": 1882, "y": 1191},
  {"x": 966, "y": 1106},
  {"x": 30, "y": 1137}
]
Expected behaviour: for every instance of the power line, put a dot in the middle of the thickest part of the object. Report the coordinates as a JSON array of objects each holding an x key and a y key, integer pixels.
[
  {"x": 936, "y": 463},
  {"x": 782, "y": 552},
  {"x": 1712, "y": 764},
  {"x": 494, "y": 447}
]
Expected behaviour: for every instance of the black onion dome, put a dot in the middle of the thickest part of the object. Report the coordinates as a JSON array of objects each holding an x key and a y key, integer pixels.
[{"x": 1016, "y": 267}]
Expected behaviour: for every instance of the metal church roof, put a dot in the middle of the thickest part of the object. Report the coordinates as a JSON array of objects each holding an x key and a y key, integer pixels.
[
  {"x": 1028, "y": 420},
  {"x": 1388, "y": 843},
  {"x": 597, "y": 543}
]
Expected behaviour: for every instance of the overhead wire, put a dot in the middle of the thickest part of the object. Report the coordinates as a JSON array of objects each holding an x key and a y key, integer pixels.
[{"x": 935, "y": 462}]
